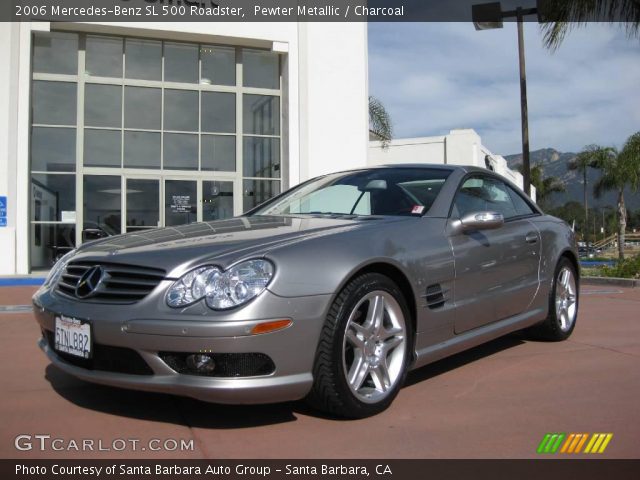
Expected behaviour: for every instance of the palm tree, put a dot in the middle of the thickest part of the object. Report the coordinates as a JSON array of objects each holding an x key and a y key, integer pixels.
[
  {"x": 585, "y": 159},
  {"x": 380, "y": 121},
  {"x": 568, "y": 14},
  {"x": 545, "y": 186},
  {"x": 619, "y": 170}
]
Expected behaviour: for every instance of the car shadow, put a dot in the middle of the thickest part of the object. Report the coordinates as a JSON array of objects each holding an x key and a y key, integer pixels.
[
  {"x": 463, "y": 358},
  {"x": 188, "y": 412}
]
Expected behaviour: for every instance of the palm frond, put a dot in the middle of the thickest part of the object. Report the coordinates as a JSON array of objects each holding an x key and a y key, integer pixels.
[
  {"x": 564, "y": 15},
  {"x": 380, "y": 121}
]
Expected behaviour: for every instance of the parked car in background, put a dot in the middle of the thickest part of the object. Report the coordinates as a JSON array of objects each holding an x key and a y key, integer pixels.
[{"x": 331, "y": 291}]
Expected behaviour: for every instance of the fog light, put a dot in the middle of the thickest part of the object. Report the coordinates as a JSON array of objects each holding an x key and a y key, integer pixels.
[{"x": 201, "y": 363}]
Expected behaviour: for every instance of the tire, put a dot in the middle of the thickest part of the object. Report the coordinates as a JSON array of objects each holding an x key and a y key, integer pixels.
[
  {"x": 563, "y": 305},
  {"x": 364, "y": 349}
]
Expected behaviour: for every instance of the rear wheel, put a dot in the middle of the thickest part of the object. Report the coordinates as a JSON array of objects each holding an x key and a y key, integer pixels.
[
  {"x": 563, "y": 304},
  {"x": 362, "y": 357}
]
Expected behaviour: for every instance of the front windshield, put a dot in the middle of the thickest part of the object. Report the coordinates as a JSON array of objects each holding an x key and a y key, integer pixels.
[{"x": 380, "y": 191}]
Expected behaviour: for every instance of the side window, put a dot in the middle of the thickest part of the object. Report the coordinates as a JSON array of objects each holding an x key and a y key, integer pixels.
[
  {"x": 521, "y": 205},
  {"x": 484, "y": 194},
  {"x": 500, "y": 200}
]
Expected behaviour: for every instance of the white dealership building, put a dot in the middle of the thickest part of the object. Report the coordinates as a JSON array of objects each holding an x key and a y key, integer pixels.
[{"x": 119, "y": 127}]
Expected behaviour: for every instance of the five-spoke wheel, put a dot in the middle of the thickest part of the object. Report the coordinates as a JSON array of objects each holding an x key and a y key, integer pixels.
[{"x": 364, "y": 349}]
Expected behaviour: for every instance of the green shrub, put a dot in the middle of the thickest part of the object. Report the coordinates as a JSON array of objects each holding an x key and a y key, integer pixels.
[{"x": 627, "y": 268}]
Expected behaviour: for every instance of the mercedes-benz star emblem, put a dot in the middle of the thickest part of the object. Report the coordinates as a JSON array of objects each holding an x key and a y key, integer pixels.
[{"x": 90, "y": 281}]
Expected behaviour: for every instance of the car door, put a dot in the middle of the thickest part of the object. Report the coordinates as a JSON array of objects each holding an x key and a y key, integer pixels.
[{"x": 496, "y": 270}]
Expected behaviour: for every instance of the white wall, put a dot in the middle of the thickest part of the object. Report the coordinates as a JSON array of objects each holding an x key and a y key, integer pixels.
[
  {"x": 333, "y": 98},
  {"x": 325, "y": 101},
  {"x": 9, "y": 48}
]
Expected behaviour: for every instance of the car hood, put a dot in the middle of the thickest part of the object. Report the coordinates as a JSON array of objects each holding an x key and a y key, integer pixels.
[{"x": 176, "y": 249}]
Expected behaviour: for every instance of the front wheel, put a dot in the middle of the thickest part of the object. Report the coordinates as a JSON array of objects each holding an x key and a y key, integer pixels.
[
  {"x": 364, "y": 349},
  {"x": 563, "y": 304}
]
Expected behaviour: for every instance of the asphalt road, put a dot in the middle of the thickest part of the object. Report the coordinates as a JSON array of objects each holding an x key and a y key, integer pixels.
[{"x": 495, "y": 401}]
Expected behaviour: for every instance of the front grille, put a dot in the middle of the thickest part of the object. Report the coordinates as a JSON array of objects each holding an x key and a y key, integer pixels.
[
  {"x": 120, "y": 283},
  {"x": 226, "y": 364},
  {"x": 105, "y": 358}
]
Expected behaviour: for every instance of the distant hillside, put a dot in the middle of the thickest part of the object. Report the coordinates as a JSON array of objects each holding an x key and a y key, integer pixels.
[{"x": 554, "y": 164}]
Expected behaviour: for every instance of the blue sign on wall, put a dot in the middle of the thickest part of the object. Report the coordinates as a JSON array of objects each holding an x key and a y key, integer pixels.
[{"x": 3, "y": 211}]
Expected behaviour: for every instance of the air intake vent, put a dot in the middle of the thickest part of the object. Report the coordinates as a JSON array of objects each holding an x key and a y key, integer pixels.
[
  {"x": 108, "y": 282},
  {"x": 435, "y": 296}
]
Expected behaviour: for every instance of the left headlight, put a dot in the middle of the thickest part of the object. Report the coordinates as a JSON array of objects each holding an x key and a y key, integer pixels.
[
  {"x": 58, "y": 269},
  {"x": 221, "y": 289}
]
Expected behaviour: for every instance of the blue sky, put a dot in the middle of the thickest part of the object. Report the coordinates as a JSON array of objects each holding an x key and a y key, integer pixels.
[{"x": 433, "y": 77}]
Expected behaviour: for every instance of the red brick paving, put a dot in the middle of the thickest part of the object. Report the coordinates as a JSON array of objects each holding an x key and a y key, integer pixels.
[{"x": 495, "y": 401}]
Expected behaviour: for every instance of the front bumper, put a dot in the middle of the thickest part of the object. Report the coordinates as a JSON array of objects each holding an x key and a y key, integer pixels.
[{"x": 197, "y": 329}]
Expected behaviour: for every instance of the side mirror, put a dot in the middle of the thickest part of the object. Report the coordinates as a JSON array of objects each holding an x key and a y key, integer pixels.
[{"x": 481, "y": 221}]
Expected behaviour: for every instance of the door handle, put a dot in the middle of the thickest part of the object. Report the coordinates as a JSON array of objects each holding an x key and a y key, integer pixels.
[{"x": 531, "y": 238}]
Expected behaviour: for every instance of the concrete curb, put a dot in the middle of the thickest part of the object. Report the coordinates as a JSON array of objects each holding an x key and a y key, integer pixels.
[{"x": 619, "y": 282}]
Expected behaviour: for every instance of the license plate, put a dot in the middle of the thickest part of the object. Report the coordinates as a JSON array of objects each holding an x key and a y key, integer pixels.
[{"x": 73, "y": 336}]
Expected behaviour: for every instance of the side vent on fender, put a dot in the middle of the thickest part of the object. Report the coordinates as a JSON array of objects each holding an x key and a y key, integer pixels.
[{"x": 435, "y": 296}]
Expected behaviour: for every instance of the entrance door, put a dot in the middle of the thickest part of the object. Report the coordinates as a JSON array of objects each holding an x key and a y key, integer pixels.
[
  {"x": 143, "y": 204},
  {"x": 180, "y": 202}
]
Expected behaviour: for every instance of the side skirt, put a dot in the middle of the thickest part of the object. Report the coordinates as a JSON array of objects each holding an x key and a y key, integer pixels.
[{"x": 476, "y": 337}]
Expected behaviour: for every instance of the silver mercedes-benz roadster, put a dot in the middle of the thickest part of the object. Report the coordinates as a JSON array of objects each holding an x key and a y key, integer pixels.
[{"x": 330, "y": 291}]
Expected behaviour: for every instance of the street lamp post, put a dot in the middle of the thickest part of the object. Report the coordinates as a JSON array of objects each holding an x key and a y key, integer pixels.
[{"x": 488, "y": 16}]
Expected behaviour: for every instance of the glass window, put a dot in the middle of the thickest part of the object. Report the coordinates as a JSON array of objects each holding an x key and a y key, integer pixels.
[
  {"x": 50, "y": 242},
  {"x": 56, "y": 196},
  {"x": 180, "y": 151},
  {"x": 181, "y": 110},
  {"x": 53, "y": 149},
  {"x": 180, "y": 63},
  {"x": 520, "y": 204},
  {"x": 102, "y": 148},
  {"x": 143, "y": 204},
  {"x": 54, "y": 103},
  {"x": 256, "y": 192},
  {"x": 141, "y": 150},
  {"x": 481, "y": 194},
  {"x": 261, "y": 157},
  {"x": 218, "y": 152},
  {"x": 261, "y": 69},
  {"x": 55, "y": 52},
  {"x": 342, "y": 199},
  {"x": 218, "y": 65},
  {"x": 180, "y": 204},
  {"x": 143, "y": 59},
  {"x": 103, "y": 106},
  {"x": 143, "y": 108},
  {"x": 261, "y": 115},
  {"x": 103, "y": 57},
  {"x": 102, "y": 206},
  {"x": 363, "y": 192},
  {"x": 217, "y": 200},
  {"x": 218, "y": 112}
]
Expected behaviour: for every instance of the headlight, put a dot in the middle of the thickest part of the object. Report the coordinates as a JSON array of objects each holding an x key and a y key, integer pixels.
[
  {"x": 58, "y": 269},
  {"x": 221, "y": 289}
]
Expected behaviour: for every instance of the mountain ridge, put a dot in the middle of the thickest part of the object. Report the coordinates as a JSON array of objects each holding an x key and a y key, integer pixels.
[{"x": 555, "y": 164}]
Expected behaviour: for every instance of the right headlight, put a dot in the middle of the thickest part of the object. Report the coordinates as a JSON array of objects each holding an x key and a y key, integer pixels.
[{"x": 221, "y": 289}]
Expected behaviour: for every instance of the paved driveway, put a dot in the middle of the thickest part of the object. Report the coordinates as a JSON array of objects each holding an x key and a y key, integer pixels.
[{"x": 494, "y": 401}]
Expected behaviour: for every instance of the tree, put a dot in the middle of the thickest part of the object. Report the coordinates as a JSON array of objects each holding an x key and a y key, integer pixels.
[
  {"x": 620, "y": 169},
  {"x": 585, "y": 159},
  {"x": 568, "y": 14},
  {"x": 380, "y": 121},
  {"x": 545, "y": 186}
]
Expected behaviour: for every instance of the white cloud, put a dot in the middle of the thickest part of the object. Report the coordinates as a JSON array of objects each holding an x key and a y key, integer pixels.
[{"x": 433, "y": 77}]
